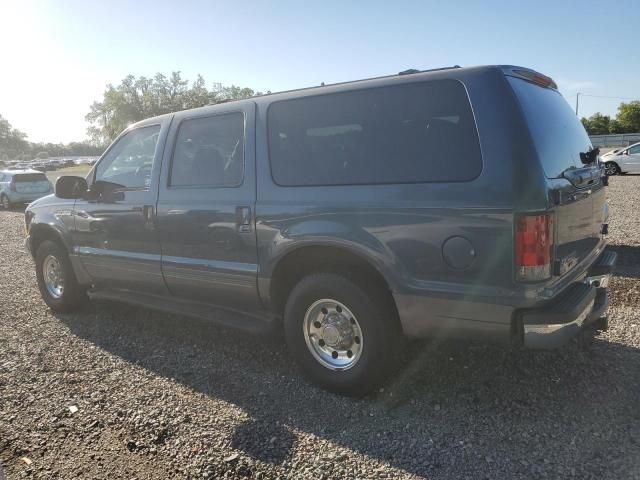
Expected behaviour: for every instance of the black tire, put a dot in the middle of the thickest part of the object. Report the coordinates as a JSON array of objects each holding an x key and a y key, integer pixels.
[
  {"x": 612, "y": 168},
  {"x": 4, "y": 201},
  {"x": 73, "y": 295},
  {"x": 377, "y": 319}
]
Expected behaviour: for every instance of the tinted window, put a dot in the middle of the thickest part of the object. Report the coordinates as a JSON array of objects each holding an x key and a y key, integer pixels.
[
  {"x": 558, "y": 135},
  {"x": 30, "y": 177},
  {"x": 128, "y": 163},
  {"x": 634, "y": 150},
  {"x": 209, "y": 152},
  {"x": 418, "y": 132}
]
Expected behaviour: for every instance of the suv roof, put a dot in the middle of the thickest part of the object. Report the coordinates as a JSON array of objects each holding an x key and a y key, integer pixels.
[{"x": 405, "y": 76}]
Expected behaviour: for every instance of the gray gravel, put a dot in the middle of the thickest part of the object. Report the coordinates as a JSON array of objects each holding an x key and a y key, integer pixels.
[{"x": 161, "y": 396}]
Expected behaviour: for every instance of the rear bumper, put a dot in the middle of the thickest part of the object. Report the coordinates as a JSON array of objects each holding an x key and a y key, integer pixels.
[
  {"x": 580, "y": 306},
  {"x": 16, "y": 197}
]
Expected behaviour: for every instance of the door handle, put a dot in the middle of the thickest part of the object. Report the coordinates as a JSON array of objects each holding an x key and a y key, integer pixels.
[{"x": 243, "y": 219}]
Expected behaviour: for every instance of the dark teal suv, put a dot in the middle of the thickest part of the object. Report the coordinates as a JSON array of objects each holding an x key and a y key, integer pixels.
[{"x": 455, "y": 203}]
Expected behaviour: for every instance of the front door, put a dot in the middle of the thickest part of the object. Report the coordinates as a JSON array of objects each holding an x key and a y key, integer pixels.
[
  {"x": 206, "y": 207},
  {"x": 115, "y": 230},
  {"x": 631, "y": 160}
]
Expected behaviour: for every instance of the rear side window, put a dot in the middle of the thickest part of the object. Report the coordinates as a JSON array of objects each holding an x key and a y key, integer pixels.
[
  {"x": 410, "y": 133},
  {"x": 30, "y": 177},
  {"x": 558, "y": 135},
  {"x": 209, "y": 152}
]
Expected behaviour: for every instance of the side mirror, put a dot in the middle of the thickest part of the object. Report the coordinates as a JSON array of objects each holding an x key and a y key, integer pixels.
[{"x": 70, "y": 187}]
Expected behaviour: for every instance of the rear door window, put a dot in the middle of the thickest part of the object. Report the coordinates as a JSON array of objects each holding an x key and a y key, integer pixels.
[
  {"x": 558, "y": 135},
  {"x": 409, "y": 133},
  {"x": 209, "y": 152}
]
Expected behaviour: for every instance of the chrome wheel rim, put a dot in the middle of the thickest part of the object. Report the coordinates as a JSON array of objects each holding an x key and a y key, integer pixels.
[
  {"x": 5, "y": 202},
  {"x": 53, "y": 276},
  {"x": 610, "y": 169},
  {"x": 333, "y": 334}
]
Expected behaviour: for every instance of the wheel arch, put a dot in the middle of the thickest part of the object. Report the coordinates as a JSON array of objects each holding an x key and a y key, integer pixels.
[
  {"x": 39, "y": 233},
  {"x": 305, "y": 259}
]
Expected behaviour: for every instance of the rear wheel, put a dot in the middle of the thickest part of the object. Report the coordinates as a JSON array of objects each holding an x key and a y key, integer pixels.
[
  {"x": 611, "y": 168},
  {"x": 6, "y": 204},
  {"x": 57, "y": 282},
  {"x": 345, "y": 338}
]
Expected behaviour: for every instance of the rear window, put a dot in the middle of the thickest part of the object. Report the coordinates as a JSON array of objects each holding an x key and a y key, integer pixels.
[
  {"x": 410, "y": 133},
  {"x": 558, "y": 135},
  {"x": 30, "y": 177}
]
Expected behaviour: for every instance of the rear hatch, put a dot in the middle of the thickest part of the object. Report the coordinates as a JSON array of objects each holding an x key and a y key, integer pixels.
[
  {"x": 576, "y": 187},
  {"x": 31, "y": 183}
]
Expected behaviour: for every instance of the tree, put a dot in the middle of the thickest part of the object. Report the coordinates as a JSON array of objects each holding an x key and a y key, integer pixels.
[
  {"x": 42, "y": 154},
  {"x": 135, "y": 99},
  {"x": 615, "y": 127},
  {"x": 597, "y": 124},
  {"x": 629, "y": 116},
  {"x": 12, "y": 141}
]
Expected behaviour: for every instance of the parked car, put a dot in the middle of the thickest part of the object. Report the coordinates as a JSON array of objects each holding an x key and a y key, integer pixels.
[
  {"x": 353, "y": 216},
  {"x": 622, "y": 160},
  {"x": 22, "y": 186}
]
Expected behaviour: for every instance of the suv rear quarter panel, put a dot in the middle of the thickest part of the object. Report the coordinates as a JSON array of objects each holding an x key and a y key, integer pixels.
[{"x": 401, "y": 229}]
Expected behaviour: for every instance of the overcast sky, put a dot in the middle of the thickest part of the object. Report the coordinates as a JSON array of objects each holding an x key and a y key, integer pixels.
[{"x": 57, "y": 57}]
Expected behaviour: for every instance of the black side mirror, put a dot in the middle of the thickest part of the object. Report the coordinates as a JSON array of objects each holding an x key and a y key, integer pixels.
[{"x": 70, "y": 187}]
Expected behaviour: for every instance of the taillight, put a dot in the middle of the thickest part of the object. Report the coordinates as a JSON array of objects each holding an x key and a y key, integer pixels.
[
  {"x": 537, "y": 78},
  {"x": 533, "y": 247}
]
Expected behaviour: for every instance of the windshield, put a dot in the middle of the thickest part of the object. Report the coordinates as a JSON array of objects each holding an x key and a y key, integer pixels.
[{"x": 558, "y": 135}]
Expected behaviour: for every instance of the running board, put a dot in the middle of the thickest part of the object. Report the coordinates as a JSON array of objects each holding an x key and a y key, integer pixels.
[{"x": 226, "y": 317}]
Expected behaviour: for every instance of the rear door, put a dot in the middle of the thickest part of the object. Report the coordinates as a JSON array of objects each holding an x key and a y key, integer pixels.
[
  {"x": 559, "y": 138},
  {"x": 632, "y": 160},
  {"x": 206, "y": 207}
]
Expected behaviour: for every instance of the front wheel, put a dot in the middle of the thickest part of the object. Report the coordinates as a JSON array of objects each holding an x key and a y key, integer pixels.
[
  {"x": 345, "y": 338},
  {"x": 57, "y": 282},
  {"x": 6, "y": 204},
  {"x": 611, "y": 168}
]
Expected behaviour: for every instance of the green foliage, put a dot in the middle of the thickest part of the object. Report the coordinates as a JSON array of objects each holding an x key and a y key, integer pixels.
[
  {"x": 138, "y": 98},
  {"x": 12, "y": 141},
  {"x": 627, "y": 120},
  {"x": 597, "y": 124},
  {"x": 629, "y": 116}
]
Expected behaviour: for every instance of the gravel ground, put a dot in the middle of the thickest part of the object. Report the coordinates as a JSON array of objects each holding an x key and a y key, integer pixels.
[{"x": 120, "y": 392}]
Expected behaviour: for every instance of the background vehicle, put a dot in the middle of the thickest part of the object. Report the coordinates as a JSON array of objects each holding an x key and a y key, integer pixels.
[
  {"x": 425, "y": 204},
  {"x": 22, "y": 186},
  {"x": 626, "y": 160}
]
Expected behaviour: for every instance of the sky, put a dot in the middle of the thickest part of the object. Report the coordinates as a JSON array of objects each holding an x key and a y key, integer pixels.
[{"x": 58, "y": 57}]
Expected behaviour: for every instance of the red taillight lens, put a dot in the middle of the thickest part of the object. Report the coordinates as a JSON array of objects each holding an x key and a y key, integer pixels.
[
  {"x": 533, "y": 247},
  {"x": 537, "y": 78}
]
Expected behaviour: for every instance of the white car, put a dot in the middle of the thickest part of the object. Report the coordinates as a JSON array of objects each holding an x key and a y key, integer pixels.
[{"x": 622, "y": 160}]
